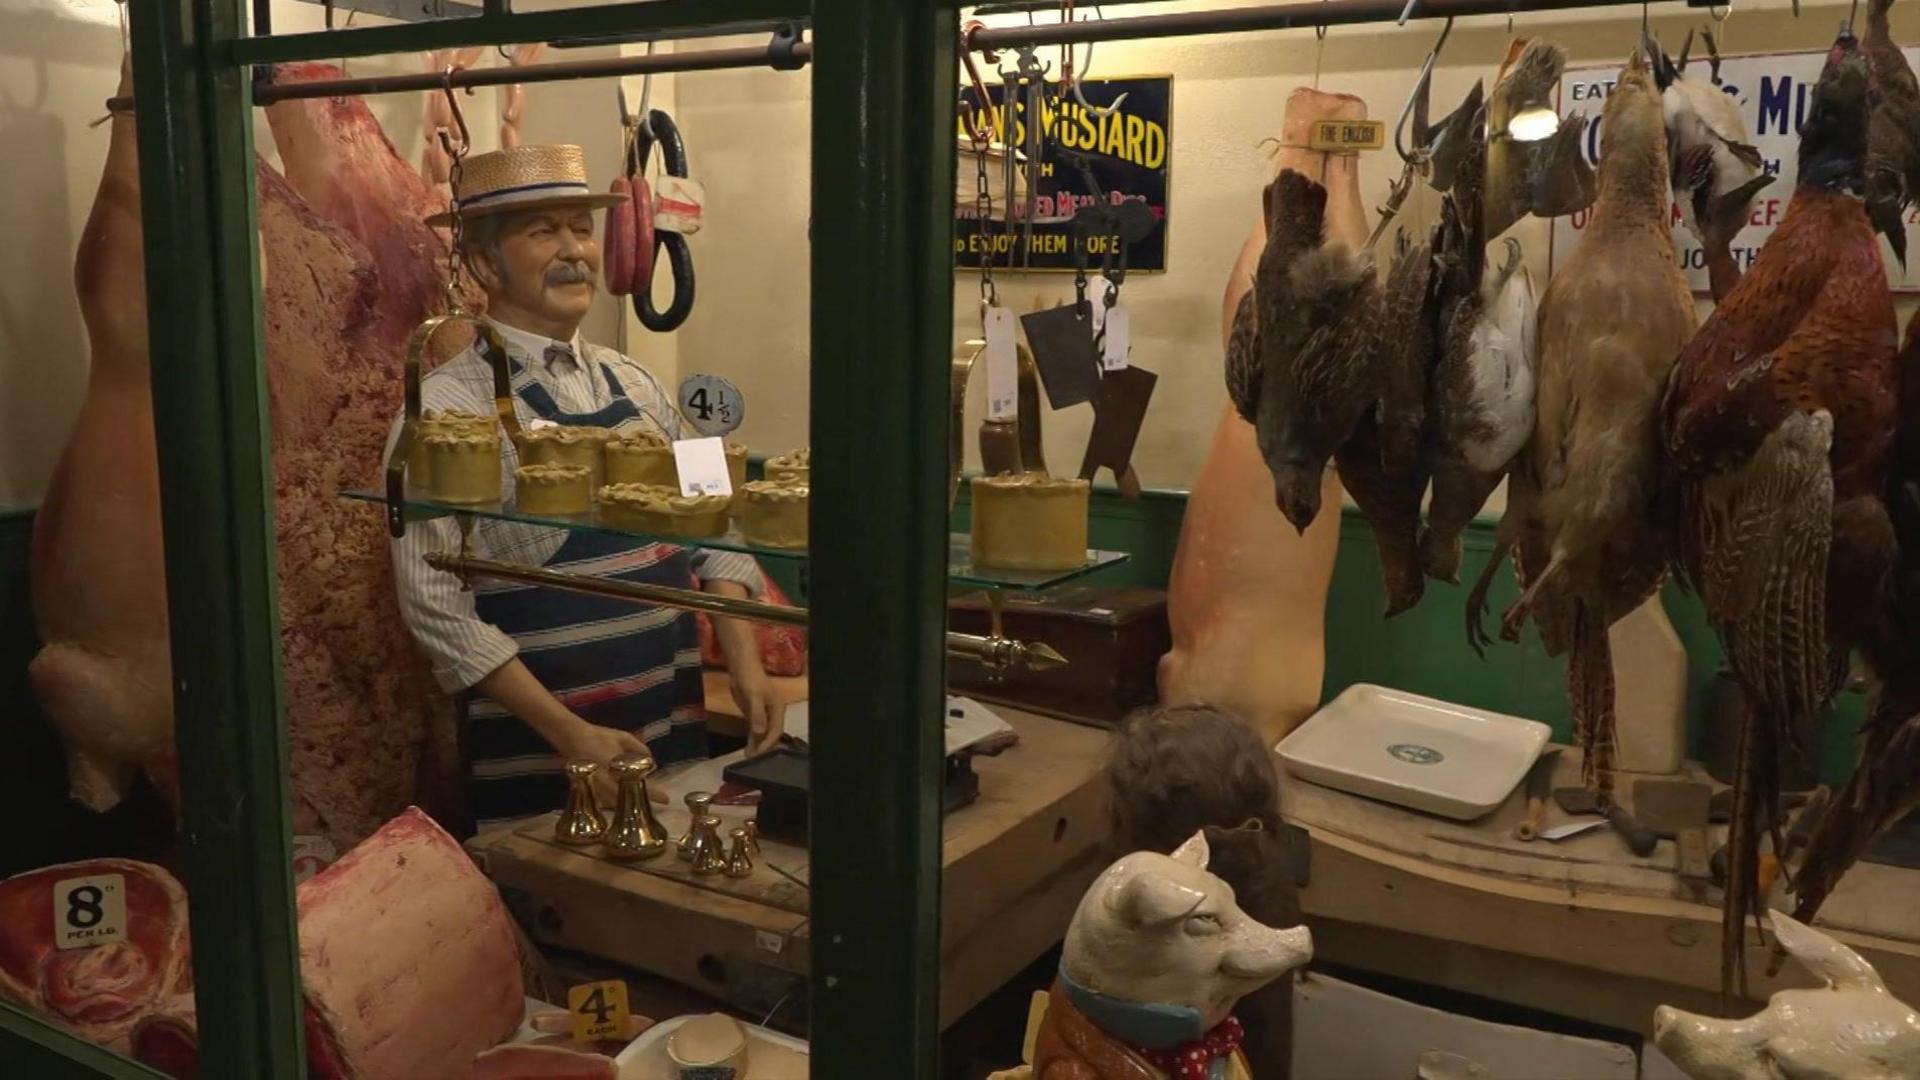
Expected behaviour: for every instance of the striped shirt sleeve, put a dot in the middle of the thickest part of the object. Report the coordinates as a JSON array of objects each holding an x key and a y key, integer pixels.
[{"x": 438, "y": 610}]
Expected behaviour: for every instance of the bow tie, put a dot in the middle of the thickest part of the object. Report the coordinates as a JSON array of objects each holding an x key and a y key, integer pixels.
[
  {"x": 561, "y": 355},
  {"x": 1194, "y": 1060}
]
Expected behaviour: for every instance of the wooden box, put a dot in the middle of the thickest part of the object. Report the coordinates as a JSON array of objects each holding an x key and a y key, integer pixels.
[{"x": 1112, "y": 636}]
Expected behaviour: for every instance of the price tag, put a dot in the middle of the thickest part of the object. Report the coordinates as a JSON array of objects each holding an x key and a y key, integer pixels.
[
  {"x": 1003, "y": 366},
  {"x": 702, "y": 464},
  {"x": 537, "y": 423},
  {"x": 89, "y": 911},
  {"x": 712, "y": 404},
  {"x": 769, "y": 942},
  {"x": 1348, "y": 135},
  {"x": 679, "y": 204},
  {"x": 599, "y": 1010},
  {"x": 1117, "y": 341}
]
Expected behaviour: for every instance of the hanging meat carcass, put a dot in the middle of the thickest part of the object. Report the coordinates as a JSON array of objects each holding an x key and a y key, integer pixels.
[
  {"x": 1246, "y": 586},
  {"x": 1582, "y": 512},
  {"x": 1779, "y": 423},
  {"x": 101, "y": 993},
  {"x": 349, "y": 269}
]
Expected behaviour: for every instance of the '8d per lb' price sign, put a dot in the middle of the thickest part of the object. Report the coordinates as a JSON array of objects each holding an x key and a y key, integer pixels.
[
  {"x": 1774, "y": 92},
  {"x": 89, "y": 911}
]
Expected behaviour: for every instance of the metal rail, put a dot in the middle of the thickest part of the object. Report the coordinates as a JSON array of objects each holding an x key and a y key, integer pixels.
[
  {"x": 1298, "y": 16},
  {"x": 770, "y": 55},
  {"x": 994, "y": 652}
]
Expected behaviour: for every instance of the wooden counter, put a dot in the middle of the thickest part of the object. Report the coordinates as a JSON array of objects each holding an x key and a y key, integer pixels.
[
  {"x": 1016, "y": 863},
  {"x": 1581, "y": 928}
]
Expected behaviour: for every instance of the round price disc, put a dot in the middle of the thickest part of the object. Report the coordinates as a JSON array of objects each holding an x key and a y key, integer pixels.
[{"x": 712, "y": 404}]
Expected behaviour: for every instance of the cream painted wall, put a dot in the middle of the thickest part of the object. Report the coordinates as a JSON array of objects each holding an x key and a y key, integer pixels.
[
  {"x": 750, "y": 129},
  {"x": 59, "y": 62}
]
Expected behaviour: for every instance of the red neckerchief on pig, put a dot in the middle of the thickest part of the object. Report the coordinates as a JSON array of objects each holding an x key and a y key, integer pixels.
[{"x": 1194, "y": 1060}]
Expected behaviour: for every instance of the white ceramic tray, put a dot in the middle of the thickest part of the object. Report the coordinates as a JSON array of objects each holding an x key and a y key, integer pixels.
[
  {"x": 770, "y": 1055},
  {"x": 1445, "y": 759}
]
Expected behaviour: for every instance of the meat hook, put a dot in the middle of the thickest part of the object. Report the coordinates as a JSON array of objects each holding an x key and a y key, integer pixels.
[
  {"x": 643, "y": 120},
  {"x": 459, "y": 118},
  {"x": 1421, "y": 86},
  {"x": 977, "y": 125},
  {"x": 1074, "y": 84}
]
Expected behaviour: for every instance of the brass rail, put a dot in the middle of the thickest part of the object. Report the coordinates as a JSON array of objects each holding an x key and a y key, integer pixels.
[{"x": 994, "y": 652}]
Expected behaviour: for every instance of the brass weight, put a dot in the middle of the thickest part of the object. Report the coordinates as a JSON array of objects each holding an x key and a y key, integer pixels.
[
  {"x": 635, "y": 833},
  {"x": 580, "y": 823}
]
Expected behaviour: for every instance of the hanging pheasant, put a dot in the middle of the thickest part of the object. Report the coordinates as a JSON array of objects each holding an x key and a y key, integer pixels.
[{"x": 1778, "y": 421}]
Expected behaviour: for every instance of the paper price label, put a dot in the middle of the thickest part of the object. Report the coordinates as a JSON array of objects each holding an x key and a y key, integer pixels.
[
  {"x": 1003, "y": 366},
  {"x": 702, "y": 464},
  {"x": 713, "y": 405},
  {"x": 679, "y": 204},
  {"x": 599, "y": 1010},
  {"x": 1348, "y": 135},
  {"x": 1116, "y": 339},
  {"x": 89, "y": 911}
]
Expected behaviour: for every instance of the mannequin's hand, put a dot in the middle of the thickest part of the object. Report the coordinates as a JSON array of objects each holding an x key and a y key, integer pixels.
[
  {"x": 760, "y": 704},
  {"x": 592, "y": 742}
]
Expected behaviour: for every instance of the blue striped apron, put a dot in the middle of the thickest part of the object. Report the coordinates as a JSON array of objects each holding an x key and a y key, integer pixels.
[{"x": 612, "y": 662}]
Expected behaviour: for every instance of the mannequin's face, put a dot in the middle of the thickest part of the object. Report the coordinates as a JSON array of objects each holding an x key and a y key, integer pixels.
[{"x": 540, "y": 273}]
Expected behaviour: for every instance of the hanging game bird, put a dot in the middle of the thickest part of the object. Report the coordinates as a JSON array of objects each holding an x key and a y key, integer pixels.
[
  {"x": 1885, "y": 784},
  {"x": 1778, "y": 423},
  {"x": 1481, "y": 405},
  {"x": 1717, "y": 171},
  {"x": 1582, "y": 510},
  {"x": 1299, "y": 361}
]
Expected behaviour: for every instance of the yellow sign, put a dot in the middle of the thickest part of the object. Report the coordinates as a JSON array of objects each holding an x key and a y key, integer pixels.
[
  {"x": 1348, "y": 135},
  {"x": 599, "y": 1010}
]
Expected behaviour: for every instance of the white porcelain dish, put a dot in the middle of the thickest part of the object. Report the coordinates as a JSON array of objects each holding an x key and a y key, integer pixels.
[
  {"x": 771, "y": 1055},
  {"x": 1414, "y": 751}
]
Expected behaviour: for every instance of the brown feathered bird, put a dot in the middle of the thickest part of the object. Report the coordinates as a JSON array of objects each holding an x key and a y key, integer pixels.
[
  {"x": 1893, "y": 131},
  {"x": 1381, "y": 464},
  {"x": 1300, "y": 360},
  {"x": 1582, "y": 506},
  {"x": 1885, "y": 783},
  {"x": 1778, "y": 422}
]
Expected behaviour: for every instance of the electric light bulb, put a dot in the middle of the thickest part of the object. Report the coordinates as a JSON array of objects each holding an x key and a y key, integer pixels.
[{"x": 1532, "y": 125}]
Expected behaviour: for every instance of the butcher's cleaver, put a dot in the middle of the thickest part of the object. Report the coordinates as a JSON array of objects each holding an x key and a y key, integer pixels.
[
  {"x": 1062, "y": 342},
  {"x": 1118, "y": 411}
]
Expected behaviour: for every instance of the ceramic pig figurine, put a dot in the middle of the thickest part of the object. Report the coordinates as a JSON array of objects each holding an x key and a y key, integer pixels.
[
  {"x": 1155, "y": 958},
  {"x": 1851, "y": 1030}
]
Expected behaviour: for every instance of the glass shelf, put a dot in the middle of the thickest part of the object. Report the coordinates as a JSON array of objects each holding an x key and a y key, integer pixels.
[{"x": 960, "y": 568}]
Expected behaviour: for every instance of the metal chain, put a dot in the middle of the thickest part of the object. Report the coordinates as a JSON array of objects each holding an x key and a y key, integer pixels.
[
  {"x": 457, "y": 228},
  {"x": 983, "y": 219}
]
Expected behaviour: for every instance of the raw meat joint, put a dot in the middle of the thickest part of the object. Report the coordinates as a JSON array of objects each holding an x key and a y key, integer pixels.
[
  {"x": 100, "y": 993},
  {"x": 350, "y": 269},
  {"x": 410, "y": 963}
]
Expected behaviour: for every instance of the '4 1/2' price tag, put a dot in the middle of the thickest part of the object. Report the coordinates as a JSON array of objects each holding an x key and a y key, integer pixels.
[
  {"x": 89, "y": 911},
  {"x": 599, "y": 1010},
  {"x": 713, "y": 405}
]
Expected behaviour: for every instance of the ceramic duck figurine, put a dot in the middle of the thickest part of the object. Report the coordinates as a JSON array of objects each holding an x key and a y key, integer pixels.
[{"x": 1850, "y": 1028}]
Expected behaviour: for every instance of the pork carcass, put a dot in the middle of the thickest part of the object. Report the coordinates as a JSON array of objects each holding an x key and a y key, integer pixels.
[
  {"x": 101, "y": 992},
  {"x": 410, "y": 963},
  {"x": 349, "y": 269},
  {"x": 99, "y": 580},
  {"x": 1248, "y": 593}
]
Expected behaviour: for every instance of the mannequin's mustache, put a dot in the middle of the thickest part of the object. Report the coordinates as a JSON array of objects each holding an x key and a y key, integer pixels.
[{"x": 569, "y": 273}]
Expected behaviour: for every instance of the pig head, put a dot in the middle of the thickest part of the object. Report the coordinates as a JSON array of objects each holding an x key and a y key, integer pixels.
[
  {"x": 1852, "y": 1029},
  {"x": 1160, "y": 930}
]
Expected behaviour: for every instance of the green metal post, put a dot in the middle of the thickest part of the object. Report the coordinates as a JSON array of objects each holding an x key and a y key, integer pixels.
[
  {"x": 883, "y": 118},
  {"x": 197, "y": 201}
]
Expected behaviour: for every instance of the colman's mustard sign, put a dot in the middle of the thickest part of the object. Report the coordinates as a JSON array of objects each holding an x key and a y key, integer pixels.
[{"x": 1127, "y": 153}]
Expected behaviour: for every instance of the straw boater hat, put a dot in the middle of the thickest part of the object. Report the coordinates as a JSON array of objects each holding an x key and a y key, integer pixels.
[{"x": 524, "y": 178}]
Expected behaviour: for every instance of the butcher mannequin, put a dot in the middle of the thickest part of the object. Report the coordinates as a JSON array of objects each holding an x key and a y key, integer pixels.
[
  {"x": 552, "y": 675},
  {"x": 1247, "y": 600}
]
